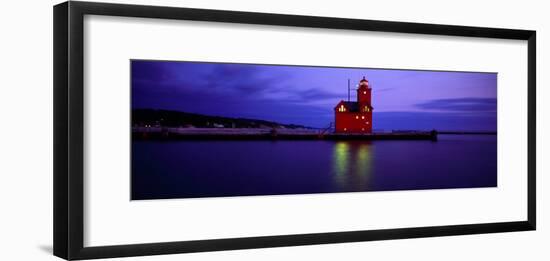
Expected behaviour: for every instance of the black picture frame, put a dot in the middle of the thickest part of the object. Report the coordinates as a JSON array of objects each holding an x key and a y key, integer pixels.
[{"x": 69, "y": 118}]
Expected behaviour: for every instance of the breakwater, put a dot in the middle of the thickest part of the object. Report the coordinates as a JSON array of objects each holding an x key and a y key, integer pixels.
[{"x": 156, "y": 133}]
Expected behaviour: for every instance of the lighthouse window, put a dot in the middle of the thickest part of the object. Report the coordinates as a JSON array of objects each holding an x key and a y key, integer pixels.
[
  {"x": 342, "y": 108},
  {"x": 362, "y": 117},
  {"x": 357, "y": 117},
  {"x": 364, "y": 92}
]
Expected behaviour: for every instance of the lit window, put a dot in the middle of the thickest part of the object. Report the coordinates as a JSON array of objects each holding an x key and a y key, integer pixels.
[
  {"x": 357, "y": 117},
  {"x": 364, "y": 92},
  {"x": 363, "y": 129},
  {"x": 345, "y": 129},
  {"x": 342, "y": 108},
  {"x": 362, "y": 117},
  {"x": 367, "y": 123},
  {"x": 366, "y": 108}
]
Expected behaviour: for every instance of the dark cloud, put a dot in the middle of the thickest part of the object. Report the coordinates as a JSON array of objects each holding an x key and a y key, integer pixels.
[
  {"x": 199, "y": 78},
  {"x": 314, "y": 94},
  {"x": 215, "y": 83},
  {"x": 238, "y": 79},
  {"x": 460, "y": 104}
]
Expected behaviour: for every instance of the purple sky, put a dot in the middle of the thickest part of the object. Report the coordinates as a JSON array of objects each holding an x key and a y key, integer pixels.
[{"x": 402, "y": 99}]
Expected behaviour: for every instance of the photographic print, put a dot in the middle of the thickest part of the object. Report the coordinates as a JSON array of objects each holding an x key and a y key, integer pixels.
[
  {"x": 158, "y": 128},
  {"x": 205, "y": 129}
]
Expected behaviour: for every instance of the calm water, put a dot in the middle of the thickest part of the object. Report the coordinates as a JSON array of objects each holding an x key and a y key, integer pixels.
[{"x": 189, "y": 169}]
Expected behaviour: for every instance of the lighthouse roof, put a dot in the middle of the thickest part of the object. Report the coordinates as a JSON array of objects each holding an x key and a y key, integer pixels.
[
  {"x": 364, "y": 80},
  {"x": 351, "y": 106}
]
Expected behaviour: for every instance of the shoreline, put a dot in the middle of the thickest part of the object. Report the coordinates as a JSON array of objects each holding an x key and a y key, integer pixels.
[{"x": 158, "y": 133}]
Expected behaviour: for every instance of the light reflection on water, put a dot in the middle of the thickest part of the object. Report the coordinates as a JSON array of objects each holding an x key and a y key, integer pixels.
[{"x": 352, "y": 164}]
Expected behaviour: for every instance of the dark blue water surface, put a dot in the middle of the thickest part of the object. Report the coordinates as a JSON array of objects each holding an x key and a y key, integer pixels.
[{"x": 190, "y": 169}]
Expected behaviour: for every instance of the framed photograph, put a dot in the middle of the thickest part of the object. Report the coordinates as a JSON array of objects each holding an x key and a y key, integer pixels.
[{"x": 183, "y": 130}]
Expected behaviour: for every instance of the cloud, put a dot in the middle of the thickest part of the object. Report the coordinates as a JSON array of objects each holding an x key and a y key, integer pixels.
[
  {"x": 383, "y": 90},
  {"x": 182, "y": 78},
  {"x": 468, "y": 104},
  {"x": 221, "y": 83},
  {"x": 314, "y": 94}
]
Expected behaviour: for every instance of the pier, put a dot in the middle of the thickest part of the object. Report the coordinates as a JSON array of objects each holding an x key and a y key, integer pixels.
[{"x": 159, "y": 133}]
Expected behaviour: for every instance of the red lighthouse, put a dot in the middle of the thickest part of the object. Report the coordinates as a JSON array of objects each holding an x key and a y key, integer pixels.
[{"x": 355, "y": 117}]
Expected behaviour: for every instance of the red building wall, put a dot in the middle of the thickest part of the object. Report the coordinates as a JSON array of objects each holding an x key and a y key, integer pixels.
[{"x": 350, "y": 122}]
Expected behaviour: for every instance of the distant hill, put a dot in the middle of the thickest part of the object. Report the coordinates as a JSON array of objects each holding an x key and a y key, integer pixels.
[{"x": 167, "y": 118}]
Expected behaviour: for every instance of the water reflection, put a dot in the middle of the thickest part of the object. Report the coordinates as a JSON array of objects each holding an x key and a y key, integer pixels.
[
  {"x": 191, "y": 169},
  {"x": 352, "y": 165}
]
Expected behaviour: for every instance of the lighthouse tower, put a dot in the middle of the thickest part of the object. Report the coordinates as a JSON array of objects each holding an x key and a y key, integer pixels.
[
  {"x": 364, "y": 95},
  {"x": 355, "y": 117}
]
